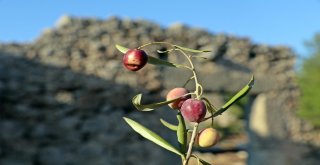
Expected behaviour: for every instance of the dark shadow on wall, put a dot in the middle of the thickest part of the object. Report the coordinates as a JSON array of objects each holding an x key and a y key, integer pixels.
[
  {"x": 268, "y": 142},
  {"x": 52, "y": 115},
  {"x": 281, "y": 151}
]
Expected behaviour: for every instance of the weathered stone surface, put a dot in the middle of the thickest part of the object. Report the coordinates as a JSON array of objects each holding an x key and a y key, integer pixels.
[{"x": 63, "y": 96}]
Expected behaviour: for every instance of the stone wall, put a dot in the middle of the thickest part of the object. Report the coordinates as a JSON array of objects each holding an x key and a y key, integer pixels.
[{"x": 63, "y": 96}]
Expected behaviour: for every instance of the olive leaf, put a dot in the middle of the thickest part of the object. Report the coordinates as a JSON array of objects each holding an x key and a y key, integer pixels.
[
  {"x": 136, "y": 101},
  {"x": 182, "y": 133},
  {"x": 204, "y": 162},
  {"x": 209, "y": 106},
  {"x": 148, "y": 134},
  {"x": 121, "y": 48},
  {"x": 236, "y": 97},
  {"x": 157, "y": 61},
  {"x": 191, "y": 50},
  {"x": 169, "y": 125},
  {"x": 202, "y": 57},
  {"x": 200, "y": 160}
]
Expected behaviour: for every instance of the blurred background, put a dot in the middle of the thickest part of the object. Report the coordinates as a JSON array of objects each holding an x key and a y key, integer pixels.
[{"x": 63, "y": 90}]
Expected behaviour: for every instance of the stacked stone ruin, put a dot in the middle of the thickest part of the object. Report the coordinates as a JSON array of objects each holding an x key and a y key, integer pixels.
[{"x": 63, "y": 96}]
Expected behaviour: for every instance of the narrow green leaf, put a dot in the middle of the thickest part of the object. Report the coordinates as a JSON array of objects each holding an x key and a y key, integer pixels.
[
  {"x": 240, "y": 94},
  {"x": 189, "y": 134},
  {"x": 148, "y": 134},
  {"x": 191, "y": 50},
  {"x": 182, "y": 134},
  {"x": 236, "y": 97},
  {"x": 157, "y": 61},
  {"x": 186, "y": 83},
  {"x": 136, "y": 101},
  {"x": 169, "y": 125},
  {"x": 209, "y": 106},
  {"x": 121, "y": 48},
  {"x": 204, "y": 162},
  {"x": 200, "y": 160},
  {"x": 205, "y": 58}
]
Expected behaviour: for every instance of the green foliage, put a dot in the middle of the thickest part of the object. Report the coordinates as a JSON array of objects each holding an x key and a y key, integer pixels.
[
  {"x": 169, "y": 125},
  {"x": 191, "y": 50},
  {"x": 136, "y": 101},
  {"x": 185, "y": 149},
  {"x": 236, "y": 97},
  {"x": 182, "y": 134},
  {"x": 238, "y": 111},
  {"x": 309, "y": 82},
  {"x": 157, "y": 61},
  {"x": 150, "y": 135},
  {"x": 121, "y": 48}
]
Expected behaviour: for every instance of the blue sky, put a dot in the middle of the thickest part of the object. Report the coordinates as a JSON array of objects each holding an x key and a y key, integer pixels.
[{"x": 273, "y": 22}]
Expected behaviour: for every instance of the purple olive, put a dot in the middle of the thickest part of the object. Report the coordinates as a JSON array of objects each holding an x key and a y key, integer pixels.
[
  {"x": 193, "y": 110},
  {"x": 135, "y": 59}
]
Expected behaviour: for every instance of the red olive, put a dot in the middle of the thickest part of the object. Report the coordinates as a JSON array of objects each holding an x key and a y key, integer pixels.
[
  {"x": 135, "y": 59},
  {"x": 193, "y": 110}
]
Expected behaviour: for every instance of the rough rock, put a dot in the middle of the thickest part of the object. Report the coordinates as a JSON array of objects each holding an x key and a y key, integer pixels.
[{"x": 63, "y": 96}]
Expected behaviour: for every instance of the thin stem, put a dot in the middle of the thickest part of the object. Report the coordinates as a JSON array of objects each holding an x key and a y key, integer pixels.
[
  {"x": 185, "y": 84},
  {"x": 198, "y": 159},
  {"x": 198, "y": 93},
  {"x": 183, "y": 159},
  {"x": 193, "y": 136},
  {"x": 154, "y": 43}
]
